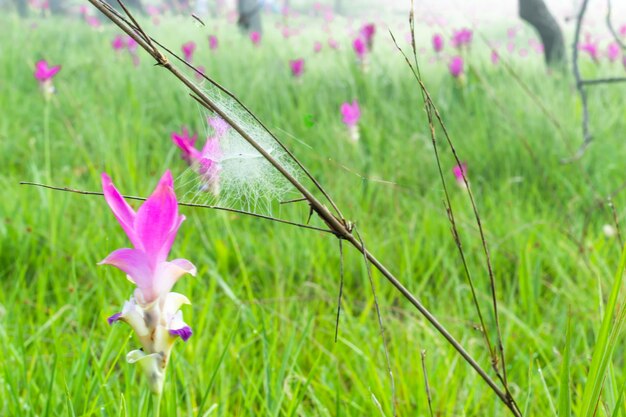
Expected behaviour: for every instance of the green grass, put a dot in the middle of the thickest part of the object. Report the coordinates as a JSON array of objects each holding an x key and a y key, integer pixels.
[{"x": 264, "y": 300}]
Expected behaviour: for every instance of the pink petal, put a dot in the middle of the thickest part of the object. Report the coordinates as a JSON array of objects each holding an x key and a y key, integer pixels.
[
  {"x": 169, "y": 272},
  {"x": 123, "y": 212},
  {"x": 134, "y": 263},
  {"x": 157, "y": 221}
]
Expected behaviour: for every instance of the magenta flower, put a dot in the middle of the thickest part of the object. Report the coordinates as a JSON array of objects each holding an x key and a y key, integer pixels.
[
  {"x": 45, "y": 73},
  {"x": 199, "y": 73},
  {"x": 495, "y": 58},
  {"x": 332, "y": 43},
  {"x": 118, "y": 43},
  {"x": 92, "y": 21},
  {"x": 622, "y": 30},
  {"x": 186, "y": 144},
  {"x": 462, "y": 37},
  {"x": 297, "y": 67},
  {"x": 613, "y": 51},
  {"x": 437, "y": 42},
  {"x": 367, "y": 32},
  {"x": 359, "y": 48},
  {"x": 590, "y": 47},
  {"x": 456, "y": 66},
  {"x": 212, "y": 42},
  {"x": 458, "y": 171},
  {"x": 188, "y": 50},
  {"x": 255, "y": 37},
  {"x": 351, "y": 113},
  {"x": 317, "y": 47}
]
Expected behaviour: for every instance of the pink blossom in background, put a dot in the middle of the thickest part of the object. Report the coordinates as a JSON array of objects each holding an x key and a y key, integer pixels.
[
  {"x": 317, "y": 47},
  {"x": 495, "y": 58},
  {"x": 613, "y": 51},
  {"x": 186, "y": 144},
  {"x": 590, "y": 47},
  {"x": 456, "y": 66},
  {"x": 199, "y": 73},
  {"x": 255, "y": 37},
  {"x": 622, "y": 30},
  {"x": 458, "y": 171},
  {"x": 118, "y": 43},
  {"x": 523, "y": 52},
  {"x": 297, "y": 67},
  {"x": 351, "y": 113},
  {"x": 212, "y": 42},
  {"x": 188, "y": 50},
  {"x": 132, "y": 46},
  {"x": 462, "y": 37},
  {"x": 333, "y": 43},
  {"x": 437, "y": 42},
  {"x": 359, "y": 48},
  {"x": 92, "y": 21},
  {"x": 44, "y": 72},
  {"x": 511, "y": 33},
  {"x": 510, "y": 47},
  {"x": 367, "y": 32}
]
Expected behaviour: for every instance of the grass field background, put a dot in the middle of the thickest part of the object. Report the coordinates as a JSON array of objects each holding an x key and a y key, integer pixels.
[{"x": 265, "y": 297}]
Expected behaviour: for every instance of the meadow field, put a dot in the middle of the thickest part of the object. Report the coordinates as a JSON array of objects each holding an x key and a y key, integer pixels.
[{"x": 264, "y": 300}]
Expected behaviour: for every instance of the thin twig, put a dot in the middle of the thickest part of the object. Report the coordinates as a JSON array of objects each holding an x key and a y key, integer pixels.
[
  {"x": 616, "y": 222},
  {"x": 204, "y": 206},
  {"x": 610, "y": 80},
  {"x": 427, "y": 386},
  {"x": 609, "y": 24},
  {"x": 340, "y": 288}
]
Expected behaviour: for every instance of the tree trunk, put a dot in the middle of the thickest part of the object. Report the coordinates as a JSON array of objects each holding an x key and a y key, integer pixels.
[
  {"x": 537, "y": 14},
  {"x": 22, "y": 7},
  {"x": 250, "y": 15}
]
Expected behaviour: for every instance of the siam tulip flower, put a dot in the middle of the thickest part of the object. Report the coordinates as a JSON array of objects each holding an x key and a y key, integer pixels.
[
  {"x": 186, "y": 144},
  {"x": 510, "y": 47},
  {"x": 297, "y": 67},
  {"x": 332, "y": 43},
  {"x": 459, "y": 171},
  {"x": 351, "y": 113},
  {"x": 360, "y": 49},
  {"x": 590, "y": 47},
  {"x": 437, "y": 42},
  {"x": 255, "y": 37},
  {"x": 188, "y": 50},
  {"x": 367, "y": 32},
  {"x": 613, "y": 51},
  {"x": 212, "y": 42},
  {"x": 93, "y": 21},
  {"x": 154, "y": 12},
  {"x": 622, "y": 30},
  {"x": 511, "y": 33},
  {"x": 152, "y": 311},
  {"x": 118, "y": 43},
  {"x": 317, "y": 47},
  {"x": 495, "y": 58},
  {"x": 456, "y": 66},
  {"x": 462, "y": 37},
  {"x": 132, "y": 46},
  {"x": 44, "y": 74}
]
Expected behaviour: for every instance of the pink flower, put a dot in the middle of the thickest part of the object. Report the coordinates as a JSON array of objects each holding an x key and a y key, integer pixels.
[
  {"x": 186, "y": 144},
  {"x": 437, "y": 42},
  {"x": 212, "y": 42},
  {"x": 255, "y": 37},
  {"x": 44, "y": 73},
  {"x": 199, "y": 73},
  {"x": 590, "y": 47},
  {"x": 118, "y": 43},
  {"x": 495, "y": 58},
  {"x": 297, "y": 67},
  {"x": 462, "y": 37},
  {"x": 456, "y": 66},
  {"x": 131, "y": 44},
  {"x": 351, "y": 113},
  {"x": 317, "y": 47},
  {"x": 613, "y": 51},
  {"x": 188, "y": 50},
  {"x": 151, "y": 230},
  {"x": 92, "y": 21},
  {"x": 458, "y": 171},
  {"x": 367, "y": 32},
  {"x": 622, "y": 30},
  {"x": 359, "y": 48},
  {"x": 333, "y": 43}
]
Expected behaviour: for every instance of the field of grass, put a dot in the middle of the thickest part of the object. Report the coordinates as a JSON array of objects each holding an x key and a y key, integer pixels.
[{"x": 265, "y": 298}]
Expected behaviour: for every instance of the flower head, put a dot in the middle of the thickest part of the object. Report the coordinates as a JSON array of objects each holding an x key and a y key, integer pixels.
[
  {"x": 297, "y": 67},
  {"x": 495, "y": 57},
  {"x": 186, "y": 144},
  {"x": 437, "y": 42},
  {"x": 456, "y": 66},
  {"x": 613, "y": 51},
  {"x": 359, "y": 48},
  {"x": 351, "y": 113},
  {"x": 459, "y": 171},
  {"x": 255, "y": 37},
  {"x": 317, "y": 47},
  {"x": 118, "y": 43},
  {"x": 590, "y": 47},
  {"x": 213, "y": 42},
  {"x": 188, "y": 50},
  {"x": 462, "y": 37},
  {"x": 367, "y": 32},
  {"x": 44, "y": 72}
]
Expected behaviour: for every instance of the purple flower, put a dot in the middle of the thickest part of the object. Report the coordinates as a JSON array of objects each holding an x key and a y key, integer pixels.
[
  {"x": 213, "y": 42},
  {"x": 188, "y": 50},
  {"x": 456, "y": 66},
  {"x": 613, "y": 51},
  {"x": 332, "y": 43},
  {"x": 359, "y": 48},
  {"x": 317, "y": 47},
  {"x": 199, "y": 73},
  {"x": 255, "y": 37},
  {"x": 462, "y": 37},
  {"x": 459, "y": 171},
  {"x": 118, "y": 43},
  {"x": 186, "y": 144},
  {"x": 495, "y": 58},
  {"x": 351, "y": 113},
  {"x": 297, "y": 67},
  {"x": 367, "y": 32},
  {"x": 437, "y": 42},
  {"x": 590, "y": 47},
  {"x": 44, "y": 73},
  {"x": 151, "y": 230}
]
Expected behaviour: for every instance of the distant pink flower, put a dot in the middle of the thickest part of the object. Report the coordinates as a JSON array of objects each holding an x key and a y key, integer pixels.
[
  {"x": 297, "y": 67},
  {"x": 317, "y": 47},
  {"x": 45, "y": 73},
  {"x": 462, "y": 37},
  {"x": 351, "y": 113},
  {"x": 83, "y": 10},
  {"x": 186, "y": 144},
  {"x": 255, "y": 37},
  {"x": 458, "y": 171},
  {"x": 613, "y": 51},
  {"x": 456, "y": 66},
  {"x": 131, "y": 44},
  {"x": 367, "y": 32},
  {"x": 92, "y": 21},
  {"x": 359, "y": 48},
  {"x": 199, "y": 73},
  {"x": 212, "y": 42},
  {"x": 510, "y": 47},
  {"x": 495, "y": 58},
  {"x": 151, "y": 230},
  {"x": 622, "y": 30},
  {"x": 188, "y": 50},
  {"x": 590, "y": 47},
  {"x": 511, "y": 33},
  {"x": 118, "y": 43},
  {"x": 437, "y": 42},
  {"x": 333, "y": 43}
]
